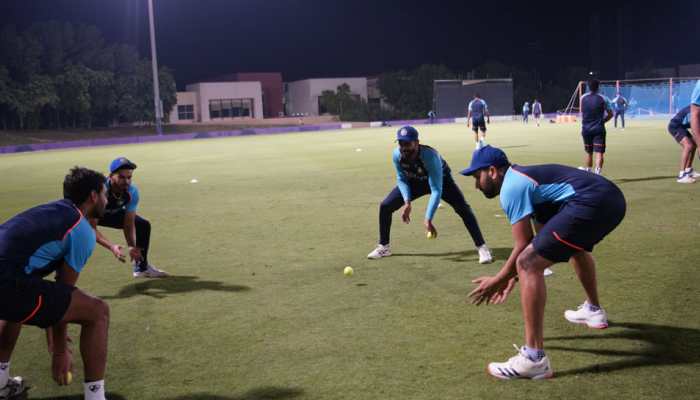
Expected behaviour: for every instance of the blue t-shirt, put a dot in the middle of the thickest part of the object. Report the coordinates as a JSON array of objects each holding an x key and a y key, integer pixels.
[
  {"x": 529, "y": 189},
  {"x": 593, "y": 111},
  {"x": 526, "y": 108},
  {"x": 37, "y": 241},
  {"x": 695, "y": 97},
  {"x": 681, "y": 119},
  {"x": 127, "y": 201},
  {"x": 430, "y": 166},
  {"x": 478, "y": 108},
  {"x": 537, "y": 107},
  {"x": 619, "y": 103}
]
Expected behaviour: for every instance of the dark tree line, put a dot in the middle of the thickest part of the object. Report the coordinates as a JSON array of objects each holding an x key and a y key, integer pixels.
[{"x": 57, "y": 75}]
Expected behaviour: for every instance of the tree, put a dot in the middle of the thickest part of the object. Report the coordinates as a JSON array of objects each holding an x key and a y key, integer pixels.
[{"x": 410, "y": 93}]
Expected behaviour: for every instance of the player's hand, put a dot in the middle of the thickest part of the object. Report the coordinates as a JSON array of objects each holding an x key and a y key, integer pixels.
[
  {"x": 491, "y": 290},
  {"x": 135, "y": 254},
  {"x": 406, "y": 213},
  {"x": 61, "y": 364},
  {"x": 429, "y": 227},
  {"x": 116, "y": 249}
]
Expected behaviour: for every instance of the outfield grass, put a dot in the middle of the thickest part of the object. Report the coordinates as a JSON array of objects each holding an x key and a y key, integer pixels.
[{"x": 260, "y": 308}]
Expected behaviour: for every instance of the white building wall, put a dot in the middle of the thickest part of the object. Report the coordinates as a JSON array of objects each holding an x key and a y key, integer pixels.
[
  {"x": 185, "y": 98},
  {"x": 227, "y": 90},
  {"x": 302, "y": 96}
]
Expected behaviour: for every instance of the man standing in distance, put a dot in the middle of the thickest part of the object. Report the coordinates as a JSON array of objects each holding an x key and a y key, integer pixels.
[
  {"x": 695, "y": 112},
  {"x": 476, "y": 111},
  {"x": 572, "y": 211},
  {"x": 121, "y": 214},
  {"x": 620, "y": 106},
  {"x": 537, "y": 111},
  {"x": 54, "y": 237},
  {"x": 421, "y": 170},
  {"x": 595, "y": 112}
]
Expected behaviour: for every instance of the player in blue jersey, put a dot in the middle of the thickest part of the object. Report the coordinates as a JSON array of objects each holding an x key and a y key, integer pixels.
[
  {"x": 478, "y": 115},
  {"x": 619, "y": 104},
  {"x": 420, "y": 170},
  {"x": 121, "y": 214},
  {"x": 537, "y": 111},
  {"x": 571, "y": 211},
  {"x": 526, "y": 112},
  {"x": 595, "y": 112},
  {"x": 54, "y": 238},
  {"x": 678, "y": 128},
  {"x": 431, "y": 116},
  {"x": 695, "y": 112}
]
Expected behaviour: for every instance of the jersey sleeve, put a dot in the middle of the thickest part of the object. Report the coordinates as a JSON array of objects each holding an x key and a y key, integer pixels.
[
  {"x": 517, "y": 193},
  {"x": 401, "y": 180},
  {"x": 433, "y": 163},
  {"x": 79, "y": 244},
  {"x": 695, "y": 97},
  {"x": 134, "y": 202}
]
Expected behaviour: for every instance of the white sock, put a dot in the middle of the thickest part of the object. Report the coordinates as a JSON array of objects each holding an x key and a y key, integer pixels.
[
  {"x": 95, "y": 390},
  {"x": 688, "y": 170},
  {"x": 597, "y": 170},
  {"x": 4, "y": 373}
]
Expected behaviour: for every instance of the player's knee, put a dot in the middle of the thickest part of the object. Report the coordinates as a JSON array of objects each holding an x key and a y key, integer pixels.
[
  {"x": 526, "y": 260},
  {"x": 100, "y": 311}
]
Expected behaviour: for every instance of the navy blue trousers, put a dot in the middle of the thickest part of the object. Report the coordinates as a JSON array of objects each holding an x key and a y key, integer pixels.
[{"x": 450, "y": 194}]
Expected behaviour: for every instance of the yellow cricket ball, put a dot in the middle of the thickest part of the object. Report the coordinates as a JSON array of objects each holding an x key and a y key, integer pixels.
[
  {"x": 431, "y": 235},
  {"x": 69, "y": 378},
  {"x": 348, "y": 271}
]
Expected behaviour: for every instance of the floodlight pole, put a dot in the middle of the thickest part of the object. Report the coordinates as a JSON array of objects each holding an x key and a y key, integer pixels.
[{"x": 154, "y": 64}]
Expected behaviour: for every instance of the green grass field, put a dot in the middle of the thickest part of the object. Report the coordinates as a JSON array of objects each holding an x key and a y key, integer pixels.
[{"x": 260, "y": 308}]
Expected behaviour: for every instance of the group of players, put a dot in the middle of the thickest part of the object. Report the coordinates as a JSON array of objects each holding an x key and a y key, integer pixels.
[
  {"x": 59, "y": 237},
  {"x": 557, "y": 214}
]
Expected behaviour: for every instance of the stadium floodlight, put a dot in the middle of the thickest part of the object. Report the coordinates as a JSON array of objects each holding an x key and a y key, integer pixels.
[{"x": 154, "y": 63}]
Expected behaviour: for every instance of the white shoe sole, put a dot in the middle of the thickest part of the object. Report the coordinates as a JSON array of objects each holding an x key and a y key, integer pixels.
[
  {"x": 546, "y": 375},
  {"x": 585, "y": 322},
  {"x": 487, "y": 261}
]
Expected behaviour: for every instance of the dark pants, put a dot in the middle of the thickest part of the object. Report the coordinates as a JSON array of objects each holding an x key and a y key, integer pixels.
[
  {"x": 620, "y": 114},
  {"x": 143, "y": 231},
  {"x": 450, "y": 193}
]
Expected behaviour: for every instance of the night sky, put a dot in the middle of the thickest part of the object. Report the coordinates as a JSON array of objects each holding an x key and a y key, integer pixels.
[{"x": 323, "y": 38}]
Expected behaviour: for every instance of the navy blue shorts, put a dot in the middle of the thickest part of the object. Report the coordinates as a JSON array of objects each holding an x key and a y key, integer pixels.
[
  {"x": 567, "y": 233},
  {"x": 479, "y": 123},
  {"x": 34, "y": 301},
  {"x": 679, "y": 132},
  {"x": 594, "y": 143}
]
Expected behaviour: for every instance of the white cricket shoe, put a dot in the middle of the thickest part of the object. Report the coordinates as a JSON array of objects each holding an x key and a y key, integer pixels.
[
  {"x": 149, "y": 272},
  {"x": 521, "y": 367},
  {"x": 380, "y": 251},
  {"x": 548, "y": 271},
  {"x": 14, "y": 387},
  {"x": 485, "y": 256},
  {"x": 693, "y": 174},
  {"x": 585, "y": 169},
  {"x": 584, "y": 315},
  {"x": 685, "y": 179}
]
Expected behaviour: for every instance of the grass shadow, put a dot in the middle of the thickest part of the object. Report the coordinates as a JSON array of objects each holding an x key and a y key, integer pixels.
[
  {"x": 644, "y": 179},
  {"x": 499, "y": 254},
  {"x": 160, "y": 288},
  {"x": 264, "y": 393},
  {"x": 665, "y": 345}
]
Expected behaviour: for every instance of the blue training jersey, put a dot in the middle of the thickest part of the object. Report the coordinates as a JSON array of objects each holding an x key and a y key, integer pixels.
[
  {"x": 537, "y": 107},
  {"x": 37, "y": 241},
  {"x": 478, "y": 108},
  {"x": 430, "y": 166},
  {"x": 593, "y": 111},
  {"x": 619, "y": 103},
  {"x": 127, "y": 201},
  {"x": 695, "y": 97},
  {"x": 527, "y": 189},
  {"x": 682, "y": 118},
  {"x": 526, "y": 108}
]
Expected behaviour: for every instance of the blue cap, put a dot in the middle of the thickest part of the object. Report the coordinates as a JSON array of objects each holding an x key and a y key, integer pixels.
[
  {"x": 120, "y": 163},
  {"x": 407, "y": 134},
  {"x": 485, "y": 157}
]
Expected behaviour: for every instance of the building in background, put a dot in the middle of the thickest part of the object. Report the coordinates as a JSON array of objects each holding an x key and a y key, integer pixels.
[
  {"x": 272, "y": 89},
  {"x": 302, "y": 97},
  {"x": 218, "y": 101}
]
